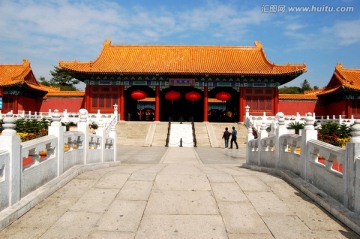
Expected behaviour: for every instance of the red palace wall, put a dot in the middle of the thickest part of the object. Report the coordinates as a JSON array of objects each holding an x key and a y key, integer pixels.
[
  {"x": 336, "y": 108},
  {"x": 71, "y": 104},
  {"x": 28, "y": 104},
  {"x": 292, "y": 107}
]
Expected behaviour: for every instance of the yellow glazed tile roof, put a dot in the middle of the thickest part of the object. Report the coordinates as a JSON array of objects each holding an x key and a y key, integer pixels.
[
  {"x": 19, "y": 74},
  {"x": 138, "y": 59},
  {"x": 343, "y": 78},
  {"x": 297, "y": 96},
  {"x": 65, "y": 93}
]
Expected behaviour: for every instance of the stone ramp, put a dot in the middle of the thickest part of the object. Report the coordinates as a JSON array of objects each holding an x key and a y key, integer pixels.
[{"x": 180, "y": 197}]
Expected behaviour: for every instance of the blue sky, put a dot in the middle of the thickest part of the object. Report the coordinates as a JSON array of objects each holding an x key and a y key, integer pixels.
[{"x": 45, "y": 32}]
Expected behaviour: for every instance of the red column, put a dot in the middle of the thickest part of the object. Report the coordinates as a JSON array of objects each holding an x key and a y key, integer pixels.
[
  {"x": 122, "y": 103},
  {"x": 16, "y": 104},
  {"x": 241, "y": 104},
  {"x": 157, "y": 103},
  {"x": 87, "y": 97},
  {"x": 348, "y": 108},
  {"x": 276, "y": 101},
  {"x": 206, "y": 104},
  {"x": 2, "y": 100}
]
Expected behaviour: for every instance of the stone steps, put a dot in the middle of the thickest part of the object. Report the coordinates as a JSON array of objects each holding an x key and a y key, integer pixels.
[
  {"x": 132, "y": 133},
  {"x": 202, "y": 136},
  {"x": 160, "y": 134},
  {"x": 219, "y": 129},
  {"x": 155, "y": 133}
]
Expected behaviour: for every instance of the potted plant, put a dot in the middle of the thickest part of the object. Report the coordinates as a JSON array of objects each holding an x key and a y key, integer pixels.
[{"x": 297, "y": 126}]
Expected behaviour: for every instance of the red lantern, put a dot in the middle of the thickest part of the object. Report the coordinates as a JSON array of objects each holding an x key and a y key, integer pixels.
[
  {"x": 138, "y": 95},
  {"x": 172, "y": 95},
  {"x": 192, "y": 95},
  {"x": 223, "y": 96}
]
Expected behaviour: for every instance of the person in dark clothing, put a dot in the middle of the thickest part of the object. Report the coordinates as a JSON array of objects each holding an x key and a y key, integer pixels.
[
  {"x": 226, "y": 137},
  {"x": 233, "y": 138}
]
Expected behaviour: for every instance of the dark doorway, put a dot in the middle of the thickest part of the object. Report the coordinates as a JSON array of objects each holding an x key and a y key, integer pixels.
[{"x": 182, "y": 109}]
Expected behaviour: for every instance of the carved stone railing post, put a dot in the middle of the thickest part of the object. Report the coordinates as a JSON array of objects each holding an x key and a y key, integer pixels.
[
  {"x": 101, "y": 132},
  {"x": 11, "y": 142},
  {"x": 263, "y": 132},
  {"x": 83, "y": 127},
  {"x": 116, "y": 113},
  {"x": 308, "y": 133},
  {"x": 280, "y": 130},
  {"x": 114, "y": 138},
  {"x": 250, "y": 134},
  {"x": 57, "y": 130},
  {"x": 351, "y": 170}
]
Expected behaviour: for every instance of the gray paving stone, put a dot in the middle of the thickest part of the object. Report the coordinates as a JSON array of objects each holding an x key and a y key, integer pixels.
[
  {"x": 46, "y": 213},
  {"x": 95, "y": 200},
  {"x": 220, "y": 178},
  {"x": 113, "y": 180},
  {"x": 251, "y": 183},
  {"x": 172, "y": 169},
  {"x": 251, "y": 236},
  {"x": 142, "y": 176},
  {"x": 73, "y": 225},
  {"x": 288, "y": 227},
  {"x": 241, "y": 217},
  {"x": 122, "y": 216},
  {"x": 152, "y": 169},
  {"x": 181, "y": 182},
  {"x": 182, "y": 226},
  {"x": 22, "y": 232},
  {"x": 229, "y": 192},
  {"x": 135, "y": 190},
  {"x": 111, "y": 235},
  {"x": 182, "y": 202},
  {"x": 268, "y": 204},
  {"x": 96, "y": 174},
  {"x": 75, "y": 188}
]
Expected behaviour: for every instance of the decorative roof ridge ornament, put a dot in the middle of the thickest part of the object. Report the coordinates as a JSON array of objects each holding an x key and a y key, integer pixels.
[
  {"x": 339, "y": 65},
  {"x": 26, "y": 62},
  {"x": 107, "y": 43},
  {"x": 258, "y": 44}
]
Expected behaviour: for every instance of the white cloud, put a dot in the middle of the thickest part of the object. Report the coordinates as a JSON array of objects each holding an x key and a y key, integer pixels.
[
  {"x": 337, "y": 34},
  {"x": 294, "y": 26},
  {"x": 347, "y": 32}
]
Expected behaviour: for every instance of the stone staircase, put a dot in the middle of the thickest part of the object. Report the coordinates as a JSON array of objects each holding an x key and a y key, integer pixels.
[
  {"x": 219, "y": 129},
  {"x": 132, "y": 132},
  {"x": 159, "y": 138},
  {"x": 202, "y": 136},
  {"x": 154, "y": 133}
]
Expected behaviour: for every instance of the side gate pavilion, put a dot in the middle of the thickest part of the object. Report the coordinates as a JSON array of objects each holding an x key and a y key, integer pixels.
[{"x": 182, "y": 83}]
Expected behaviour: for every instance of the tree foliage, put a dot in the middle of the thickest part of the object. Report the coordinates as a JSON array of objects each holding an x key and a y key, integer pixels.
[
  {"x": 43, "y": 81},
  {"x": 290, "y": 90},
  {"x": 63, "y": 79},
  {"x": 304, "y": 86}
]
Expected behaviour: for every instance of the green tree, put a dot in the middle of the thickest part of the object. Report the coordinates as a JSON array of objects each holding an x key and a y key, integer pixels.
[
  {"x": 63, "y": 79},
  {"x": 290, "y": 90},
  {"x": 43, "y": 81},
  {"x": 305, "y": 86}
]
